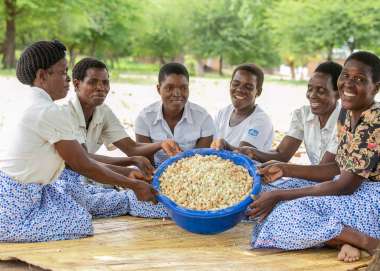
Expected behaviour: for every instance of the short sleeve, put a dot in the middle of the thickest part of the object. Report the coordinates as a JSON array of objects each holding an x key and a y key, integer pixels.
[
  {"x": 54, "y": 124},
  {"x": 333, "y": 143},
  {"x": 141, "y": 125},
  {"x": 296, "y": 128},
  {"x": 359, "y": 153},
  {"x": 112, "y": 131},
  {"x": 259, "y": 133},
  {"x": 208, "y": 127},
  {"x": 217, "y": 123}
]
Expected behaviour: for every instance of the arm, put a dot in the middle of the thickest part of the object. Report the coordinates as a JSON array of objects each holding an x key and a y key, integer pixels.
[
  {"x": 204, "y": 142},
  {"x": 169, "y": 146},
  {"x": 141, "y": 147},
  {"x": 284, "y": 152},
  {"x": 327, "y": 158},
  {"x": 76, "y": 157},
  {"x": 319, "y": 173},
  {"x": 347, "y": 184}
]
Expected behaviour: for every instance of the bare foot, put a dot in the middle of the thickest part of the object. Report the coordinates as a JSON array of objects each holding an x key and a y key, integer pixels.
[{"x": 349, "y": 254}]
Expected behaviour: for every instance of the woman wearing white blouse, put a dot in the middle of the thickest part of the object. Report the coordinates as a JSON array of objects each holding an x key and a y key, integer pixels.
[{"x": 40, "y": 200}]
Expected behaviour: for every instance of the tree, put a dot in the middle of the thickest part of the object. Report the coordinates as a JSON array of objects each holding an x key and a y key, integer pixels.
[
  {"x": 162, "y": 34},
  {"x": 232, "y": 30},
  {"x": 323, "y": 26}
]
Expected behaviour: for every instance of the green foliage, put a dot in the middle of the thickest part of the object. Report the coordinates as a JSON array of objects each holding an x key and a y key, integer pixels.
[
  {"x": 232, "y": 29},
  {"x": 259, "y": 31},
  {"x": 305, "y": 29}
]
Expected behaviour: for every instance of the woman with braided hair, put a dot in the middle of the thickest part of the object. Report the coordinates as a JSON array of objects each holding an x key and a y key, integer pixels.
[{"x": 40, "y": 200}]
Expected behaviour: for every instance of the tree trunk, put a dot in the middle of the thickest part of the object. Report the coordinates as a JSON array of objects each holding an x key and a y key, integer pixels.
[
  {"x": 292, "y": 69},
  {"x": 200, "y": 69},
  {"x": 9, "y": 45},
  {"x": 221, "y": 65},
  {"x": 330, "y": 52},
  {"x": 72, "y": 56},
  {"x": 162, "y": 60}
]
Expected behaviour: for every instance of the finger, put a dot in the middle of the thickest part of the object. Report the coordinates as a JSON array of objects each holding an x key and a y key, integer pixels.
[{"x": 263, "y": 216}]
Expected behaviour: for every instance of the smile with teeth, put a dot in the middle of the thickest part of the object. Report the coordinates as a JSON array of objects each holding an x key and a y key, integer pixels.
[
  {"x": 237, "y": 97},
  {"x": 315, "y": 104},
  {"x": 348, "y": 94}
]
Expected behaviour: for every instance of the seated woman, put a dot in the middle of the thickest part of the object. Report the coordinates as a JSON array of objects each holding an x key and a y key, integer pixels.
[
  {"x": 314, "y": 124},
  {"x": 344, "y": 211},
  {"x": 244, "y": 123},
  {"x": 174, "y": 117},
  {"x": 98, "y": 125},
  {"x": 40, "y": 201}
]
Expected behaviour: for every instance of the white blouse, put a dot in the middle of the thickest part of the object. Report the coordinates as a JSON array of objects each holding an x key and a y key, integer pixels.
[
  {"x": 105, "y": 128},
  {"x": 27, "y": 152},
  {"x": 305, "y": 126}
]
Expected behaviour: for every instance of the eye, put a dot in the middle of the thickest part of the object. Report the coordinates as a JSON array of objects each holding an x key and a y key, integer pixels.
[
  {"x": 359, "y": 79},
  {"x": 235, "y": 84}
]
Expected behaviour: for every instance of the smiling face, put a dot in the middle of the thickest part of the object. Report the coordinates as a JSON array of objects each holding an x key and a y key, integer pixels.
[
  {"x": 94, "y": 88},
  {"x": 56, "y": 80},
  {"x": 356, "y": 87},
  {"x": 321, "y": 94},
  {"x": 174, "y": 92},
  {"x": 243, "y": 89}
]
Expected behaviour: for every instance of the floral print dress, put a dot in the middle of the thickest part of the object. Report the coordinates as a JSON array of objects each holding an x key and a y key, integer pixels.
[{"x": 311, "y": 221}]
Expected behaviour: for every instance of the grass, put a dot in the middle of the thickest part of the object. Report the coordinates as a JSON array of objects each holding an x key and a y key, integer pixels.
[
  {"x": 132, "y": 72},
  {"x": 7, "y": 72}
]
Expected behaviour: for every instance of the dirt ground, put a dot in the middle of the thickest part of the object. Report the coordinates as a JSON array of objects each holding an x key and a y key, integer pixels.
[{"x": 126, "y": 99}]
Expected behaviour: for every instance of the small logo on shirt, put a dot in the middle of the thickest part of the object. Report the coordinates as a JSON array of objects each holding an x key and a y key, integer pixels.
[{"x": 253, "y": 132}]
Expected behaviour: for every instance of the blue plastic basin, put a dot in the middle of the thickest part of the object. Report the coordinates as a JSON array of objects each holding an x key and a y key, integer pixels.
[{"x": 208, "y": 222}]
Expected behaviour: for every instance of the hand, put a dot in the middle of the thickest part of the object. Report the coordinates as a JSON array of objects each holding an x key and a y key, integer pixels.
[
  {"x": 249, "y": 151},
  {"x": 218, "y": 144},
  {"x": 144, "y": 165},
  {"x": 144, "y": 191},
  {"x": 263, "y": 205},
  {"x": 170, "y": 147},
  {"x": 272, "y": 170}
]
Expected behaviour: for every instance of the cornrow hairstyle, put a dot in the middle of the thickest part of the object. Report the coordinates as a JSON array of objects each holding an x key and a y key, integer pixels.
[
  {"x": 81, "y": 67},
  {"x": 39, "y": 55},
  {"x": 369, "y": 59},
  {"x": 331, "y": 68},
  {"x": 170, "y": 68},
  {"x": 255, "y": 70}
]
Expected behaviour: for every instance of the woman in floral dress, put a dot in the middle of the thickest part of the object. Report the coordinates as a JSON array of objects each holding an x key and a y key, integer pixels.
[{"x": 335, "y": 211}]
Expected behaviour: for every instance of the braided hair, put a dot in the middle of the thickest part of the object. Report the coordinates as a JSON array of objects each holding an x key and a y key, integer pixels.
[
  {"x": 80, "y": 68},
  {"x": 39, "y": 55}
]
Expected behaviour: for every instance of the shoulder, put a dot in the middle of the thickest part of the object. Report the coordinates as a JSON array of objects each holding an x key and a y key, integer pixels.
[
  {"x": 372, "y": 116},
  {"x": 197, "y": 111},
  {"x": 196, "y": 108},
  {"x": 260, "y": 114},
  {"x": 54, "y": 115},
  {"x": 152, "y": 108}
]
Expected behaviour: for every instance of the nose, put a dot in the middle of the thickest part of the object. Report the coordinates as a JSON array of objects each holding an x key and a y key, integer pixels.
[
  {"x": 177, "y": 92},
  {"x": 68, "y": 79}
]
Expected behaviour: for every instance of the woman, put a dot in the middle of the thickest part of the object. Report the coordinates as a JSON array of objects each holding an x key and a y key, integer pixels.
[
  {"x": 340, "y": 212},
  {"x": 40, "y": 201},
  {"x": 97, "y": 124},
  {"x": 244, "y": 123},
  {"x": 313, "y": 124},
  {"x": 174, "y": 117}
]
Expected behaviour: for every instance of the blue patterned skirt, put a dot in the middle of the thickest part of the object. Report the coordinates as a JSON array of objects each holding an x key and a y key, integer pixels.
[
  {"x": 63, "y": 209},
  {"x": 312, "y": 221}
]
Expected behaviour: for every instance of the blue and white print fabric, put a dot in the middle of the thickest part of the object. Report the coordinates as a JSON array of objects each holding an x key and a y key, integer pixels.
[
  {"x": 311, "y": 221},
  {"x": 63, "y": 209}
]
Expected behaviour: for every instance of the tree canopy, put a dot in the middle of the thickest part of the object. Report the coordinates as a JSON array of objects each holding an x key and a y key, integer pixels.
[{"x": 266, "y": 32}]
